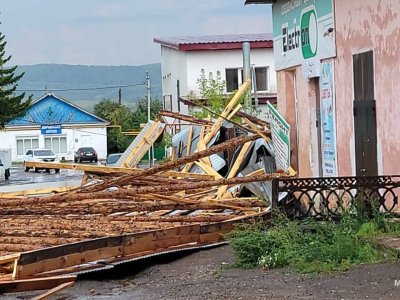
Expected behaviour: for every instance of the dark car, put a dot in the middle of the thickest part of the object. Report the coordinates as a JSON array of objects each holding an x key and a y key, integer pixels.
[{"x": 85, "y": 154}]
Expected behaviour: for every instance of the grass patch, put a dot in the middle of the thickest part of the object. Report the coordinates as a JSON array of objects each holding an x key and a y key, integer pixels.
[{"x": 313, "y": 246}]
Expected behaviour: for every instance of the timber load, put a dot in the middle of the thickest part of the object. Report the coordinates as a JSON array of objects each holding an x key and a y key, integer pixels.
[{"x": 219, "y": 175}]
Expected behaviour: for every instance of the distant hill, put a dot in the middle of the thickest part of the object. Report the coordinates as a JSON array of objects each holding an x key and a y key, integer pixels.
[{"x": 62, "y": 77}]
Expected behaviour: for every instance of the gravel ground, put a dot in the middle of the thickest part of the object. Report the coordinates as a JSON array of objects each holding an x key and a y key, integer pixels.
[{"x": 206, "y": 275}]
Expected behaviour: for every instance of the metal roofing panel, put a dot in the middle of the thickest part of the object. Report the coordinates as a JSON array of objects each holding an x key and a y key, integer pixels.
[
  {"x": 51, "y": 109},
  {"x": 214, "y": 39},
  {"x": 183, "y": 136}
]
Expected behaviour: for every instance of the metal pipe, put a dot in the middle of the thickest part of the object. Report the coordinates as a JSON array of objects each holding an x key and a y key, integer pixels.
[{"x": 246, "y": 70}]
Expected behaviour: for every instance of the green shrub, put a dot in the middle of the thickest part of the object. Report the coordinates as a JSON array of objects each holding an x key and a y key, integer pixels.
[{"x": 311, "y": 246}]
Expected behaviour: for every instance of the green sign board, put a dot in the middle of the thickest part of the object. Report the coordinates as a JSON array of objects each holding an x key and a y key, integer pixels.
[
  {"x": 280, "y": 131},
  {"x": 303, "y": 29}
]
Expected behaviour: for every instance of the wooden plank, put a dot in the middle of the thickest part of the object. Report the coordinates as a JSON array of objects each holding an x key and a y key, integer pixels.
[
  {"x": 24, "y": 285},
  {"x": 208, "y": 169},
  {"x": 37, "y": 191},
  {"x": 54, "y": 290},
  {"x": 66, "y": 261},
  {"x": 9, "y": 258},
  {"x": 234, "y": 111},
  {"x": 255, "y": 128},
  {"x": 81, "y": 167},
  {"x": 75, "y": 257},
  {"x": 233, "y": 171},
  {"x": 189, "y": 141},
  {"x": 225, "y": 113},
  {"x": 158, "y": 245},
  {"x": 144, "y": 145}
]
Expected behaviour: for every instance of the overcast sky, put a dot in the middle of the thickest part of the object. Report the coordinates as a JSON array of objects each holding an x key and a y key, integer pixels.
[{"x": 117, "y": 32}]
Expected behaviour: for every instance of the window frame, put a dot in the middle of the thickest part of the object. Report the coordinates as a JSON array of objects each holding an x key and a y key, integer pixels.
[
  {"x": 55, "y": 137},
  {"x": 253, "y": 72},
  {"x": 24, "y": 140}
]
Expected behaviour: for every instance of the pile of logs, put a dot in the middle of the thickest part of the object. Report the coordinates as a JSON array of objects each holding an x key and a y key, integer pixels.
[{"x": 128, "y": 213}]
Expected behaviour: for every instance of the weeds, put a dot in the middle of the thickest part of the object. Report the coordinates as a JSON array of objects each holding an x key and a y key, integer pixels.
[{"x": 313, "y": 246}]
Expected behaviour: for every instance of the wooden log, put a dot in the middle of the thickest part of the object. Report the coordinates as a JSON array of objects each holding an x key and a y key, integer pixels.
[
  {"x": 67, "y": 197},
  {"x": 134, "y": 191},
  {"x": 187, "y": 118},
  {"x": 253, "y": 119}
]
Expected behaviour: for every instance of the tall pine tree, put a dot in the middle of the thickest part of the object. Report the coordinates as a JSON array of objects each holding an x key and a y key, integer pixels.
[{"x": 11, "y": 105}]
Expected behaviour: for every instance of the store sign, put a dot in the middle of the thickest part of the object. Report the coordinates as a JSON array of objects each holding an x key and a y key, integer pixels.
[
  {"x": 51, "y": 129},
  {"x": 328, "y": 121},
  {"x": 303, "y": 29},
  {"x": 280, "y": 132}
]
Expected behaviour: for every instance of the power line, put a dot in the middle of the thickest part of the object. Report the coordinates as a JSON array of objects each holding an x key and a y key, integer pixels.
[{"x": 82, "y": 89}]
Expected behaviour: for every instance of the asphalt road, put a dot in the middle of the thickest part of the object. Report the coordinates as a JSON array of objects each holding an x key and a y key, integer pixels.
[
  {"x": 38, "y": 180},
  {"x": 20, "y": 177}
]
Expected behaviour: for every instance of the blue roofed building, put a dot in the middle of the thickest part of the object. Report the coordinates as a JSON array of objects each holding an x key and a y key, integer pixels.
[{"x": 55, "y": 123}]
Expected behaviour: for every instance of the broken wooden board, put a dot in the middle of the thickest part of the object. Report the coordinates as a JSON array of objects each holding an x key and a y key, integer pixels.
[{"x": 141, "y": 144}]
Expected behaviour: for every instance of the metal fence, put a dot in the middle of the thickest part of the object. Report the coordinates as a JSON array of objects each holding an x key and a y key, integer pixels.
[{"x": 331, "y": 197}]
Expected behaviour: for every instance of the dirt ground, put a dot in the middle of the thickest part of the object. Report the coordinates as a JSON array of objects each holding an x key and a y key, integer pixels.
[{"x": 206, "y": 275}]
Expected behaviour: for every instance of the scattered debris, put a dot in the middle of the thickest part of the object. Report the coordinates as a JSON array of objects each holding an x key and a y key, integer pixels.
[{"x": 213, "y": 181}]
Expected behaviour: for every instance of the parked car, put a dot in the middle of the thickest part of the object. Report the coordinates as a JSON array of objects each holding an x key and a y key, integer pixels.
[
  {"x": 6, "y": 161},
  {"x": 112, "y": 159},
  {"x": 3, "y": 170},
  {"x": 40, "y": 155},
  {"x": 85, "y": 154}
]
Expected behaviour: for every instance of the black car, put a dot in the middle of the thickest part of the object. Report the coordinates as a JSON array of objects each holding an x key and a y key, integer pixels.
[{"x": 85, "y": 154}]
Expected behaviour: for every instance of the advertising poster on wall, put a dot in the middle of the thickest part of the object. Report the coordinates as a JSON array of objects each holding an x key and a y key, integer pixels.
[
  {"x": 303, "y": 31},
  {"x": 328, "y": 121}
]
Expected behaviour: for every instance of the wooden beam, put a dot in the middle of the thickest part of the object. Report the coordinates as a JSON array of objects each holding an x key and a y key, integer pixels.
[
  {"x": 53, "y": 291},
  {"x": 238, "y": 107},
  {"x": 233, "y": 171},
  {"x": 208, "y": 169},
  {"x": 189, "y": 141},
  {"x": 81, "y": 167},
  {"x": 9, "y": 258},
  {"x": 225, "y": 113},
  {"x": 142, "y": 146},
  {"x": 178, "y": 116},
  {"x": 37, "y": 191},
  {"x": 255, "y": 128},
  {"x": 24, "y": 285}
]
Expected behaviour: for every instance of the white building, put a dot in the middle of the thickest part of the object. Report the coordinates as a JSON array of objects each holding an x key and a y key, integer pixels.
[
  {"x": 183, "y": 58},
  {"x": 54, "y": 123}
]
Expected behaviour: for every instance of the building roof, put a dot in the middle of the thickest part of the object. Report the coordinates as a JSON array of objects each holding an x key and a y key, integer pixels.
[
  {"x": 217, "y": 42},
  {"x": 51, "y": 109}
]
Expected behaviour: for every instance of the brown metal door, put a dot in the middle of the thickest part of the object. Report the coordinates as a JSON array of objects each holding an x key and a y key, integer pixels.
[
  {"x": 364, "y": 114},
  {"x": 365, "y": 138}
]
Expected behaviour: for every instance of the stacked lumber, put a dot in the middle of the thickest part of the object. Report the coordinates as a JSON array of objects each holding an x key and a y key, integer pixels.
[{"x": 125, "y": 213}]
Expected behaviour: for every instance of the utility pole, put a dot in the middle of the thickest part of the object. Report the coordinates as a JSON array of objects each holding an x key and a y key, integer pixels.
[
  {"x": 120, "y": 96},
  {"x": 151, "y": 150}
]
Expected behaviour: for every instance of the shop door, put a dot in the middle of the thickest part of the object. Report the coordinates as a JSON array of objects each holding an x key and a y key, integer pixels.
[{"x": 364, "y": 106}]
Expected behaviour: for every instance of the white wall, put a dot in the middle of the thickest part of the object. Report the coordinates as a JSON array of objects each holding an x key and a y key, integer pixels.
[
  {"x": 186, "y": 67},
  {"x": 174, "y": 68},
  {"x": 219, "y": 60},
  {"x": 95, "y": 137}
]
